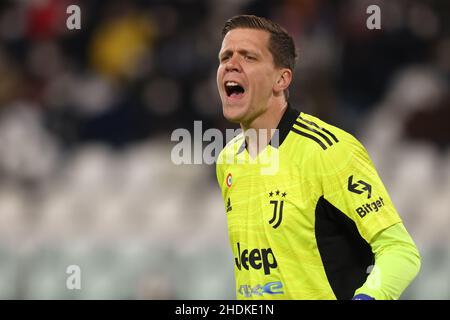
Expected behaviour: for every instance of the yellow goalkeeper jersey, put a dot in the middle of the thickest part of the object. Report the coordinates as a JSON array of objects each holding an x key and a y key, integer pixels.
[{"x": 302, "y": 230}]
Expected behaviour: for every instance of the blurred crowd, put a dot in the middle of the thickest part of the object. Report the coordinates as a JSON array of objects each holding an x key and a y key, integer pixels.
[{"x": 86, "y": 117}]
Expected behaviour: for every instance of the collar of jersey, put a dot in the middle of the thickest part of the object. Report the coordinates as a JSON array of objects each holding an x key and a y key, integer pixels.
[{"x": 284, "y": 126}]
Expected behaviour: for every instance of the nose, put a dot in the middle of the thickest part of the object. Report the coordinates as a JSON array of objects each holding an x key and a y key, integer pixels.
[{"x": 233, "y": 64}]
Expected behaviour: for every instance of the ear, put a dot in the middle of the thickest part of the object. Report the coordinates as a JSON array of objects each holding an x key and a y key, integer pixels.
[{"x": 283, "y": 81}]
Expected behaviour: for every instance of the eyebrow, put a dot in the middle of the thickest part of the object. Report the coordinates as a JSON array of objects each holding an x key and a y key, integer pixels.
[{"x": 240, "y": 51}]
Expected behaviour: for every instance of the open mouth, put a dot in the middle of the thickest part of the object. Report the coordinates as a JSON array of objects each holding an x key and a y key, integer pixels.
[{"x": 233, "y": 89}]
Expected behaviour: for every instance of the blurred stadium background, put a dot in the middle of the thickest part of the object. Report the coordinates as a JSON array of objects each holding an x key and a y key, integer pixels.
[{"x": 86, "y": 117}]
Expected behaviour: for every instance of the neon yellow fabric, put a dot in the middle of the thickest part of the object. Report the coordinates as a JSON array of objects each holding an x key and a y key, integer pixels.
[
  {"x": 282, "y": 261},
  {"x": 397, "y": 262}
]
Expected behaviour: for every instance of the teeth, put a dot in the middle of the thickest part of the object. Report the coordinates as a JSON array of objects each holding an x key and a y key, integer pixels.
[{"x": 231, "y": 84}]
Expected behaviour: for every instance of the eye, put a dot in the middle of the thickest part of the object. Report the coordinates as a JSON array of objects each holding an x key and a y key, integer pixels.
[
  {"x": 224, "y": 58},
  {"x": 250, "y": 58}
]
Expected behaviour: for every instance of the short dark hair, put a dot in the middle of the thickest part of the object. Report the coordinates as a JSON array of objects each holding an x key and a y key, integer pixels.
[{"x": 281, "y": 44}]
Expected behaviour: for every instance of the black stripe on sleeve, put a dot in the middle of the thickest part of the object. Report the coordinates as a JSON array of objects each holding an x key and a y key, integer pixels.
[
  {"x": 318, "y": 127},
  {"x": 316, "y": 131},
  {"x": 324, "y": 147}
]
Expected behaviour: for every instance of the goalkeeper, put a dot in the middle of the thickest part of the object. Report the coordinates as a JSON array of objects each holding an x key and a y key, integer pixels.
[{"x": 320, "y": 226}]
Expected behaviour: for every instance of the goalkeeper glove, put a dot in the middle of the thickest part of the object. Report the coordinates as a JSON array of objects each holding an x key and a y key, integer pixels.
[{"x": 362, "y": 296}]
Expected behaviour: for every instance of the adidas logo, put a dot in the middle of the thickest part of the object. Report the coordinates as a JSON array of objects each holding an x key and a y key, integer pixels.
[{"x": 229, "y": 207}]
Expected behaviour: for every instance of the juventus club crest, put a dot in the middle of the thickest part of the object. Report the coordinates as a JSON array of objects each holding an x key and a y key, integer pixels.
[{"x": 276, "y": 198}]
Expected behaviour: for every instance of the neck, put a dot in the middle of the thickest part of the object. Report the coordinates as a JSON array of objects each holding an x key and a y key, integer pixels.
[{"x": 259, "y": 132}]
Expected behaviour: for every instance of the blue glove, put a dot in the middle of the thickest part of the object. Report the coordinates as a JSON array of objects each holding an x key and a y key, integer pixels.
[{"x": 362, "y": 296}]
